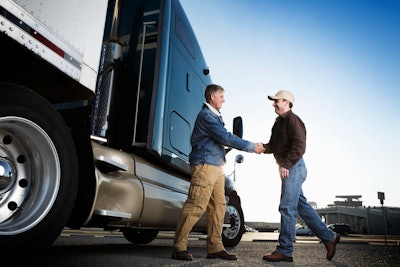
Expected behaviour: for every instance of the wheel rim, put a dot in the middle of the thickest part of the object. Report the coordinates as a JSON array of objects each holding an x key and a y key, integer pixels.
[
  {"x": 29, "y": 174},
  {"x": 234, "y": 217}
]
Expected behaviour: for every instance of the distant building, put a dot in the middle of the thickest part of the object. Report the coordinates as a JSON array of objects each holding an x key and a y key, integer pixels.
[
  {"x": 351, "y": 201},
  {"x": 362, "y": 220},
  {"x": 313, "y": 204}
]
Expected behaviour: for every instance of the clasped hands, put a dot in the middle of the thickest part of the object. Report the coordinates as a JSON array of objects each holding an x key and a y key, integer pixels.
[{"x": 259, "y": 148}]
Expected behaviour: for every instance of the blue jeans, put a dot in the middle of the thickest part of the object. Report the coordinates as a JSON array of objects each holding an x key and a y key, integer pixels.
[{"x": 294, "y": 203}]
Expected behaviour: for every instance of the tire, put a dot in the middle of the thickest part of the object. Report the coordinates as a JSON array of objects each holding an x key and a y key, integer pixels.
[
  {"x": 38, "y": 173},
  {"x": 231, "y": 236},
  {"x": 139, "y": 236}
]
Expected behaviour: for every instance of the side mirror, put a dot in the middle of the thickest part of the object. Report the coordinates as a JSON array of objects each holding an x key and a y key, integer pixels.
[
  {"x": 237, "y": 130},
  {"x": 238, "y": 126},
  {"x": 239, "y": 158}
]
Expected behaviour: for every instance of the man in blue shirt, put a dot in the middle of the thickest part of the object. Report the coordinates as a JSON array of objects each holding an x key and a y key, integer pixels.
[{"x": 206, "y": 193}]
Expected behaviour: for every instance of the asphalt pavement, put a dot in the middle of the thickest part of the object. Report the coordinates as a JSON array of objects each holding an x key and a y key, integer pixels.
[{"x": 98, "y": 248}]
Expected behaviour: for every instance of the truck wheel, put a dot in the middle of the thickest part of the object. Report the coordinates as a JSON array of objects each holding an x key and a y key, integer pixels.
[
  {"x": 231, "y": 236},
  {"x": 139, "y": 236},
  {"x": 38, "y": 170}
]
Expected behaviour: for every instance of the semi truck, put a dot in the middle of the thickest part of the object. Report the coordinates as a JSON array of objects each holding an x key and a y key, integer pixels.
[{"x": 98, "y": 101}]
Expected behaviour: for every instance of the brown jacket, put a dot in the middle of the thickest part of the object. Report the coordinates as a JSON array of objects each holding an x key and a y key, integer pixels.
[{"x": 288, "y": 140}]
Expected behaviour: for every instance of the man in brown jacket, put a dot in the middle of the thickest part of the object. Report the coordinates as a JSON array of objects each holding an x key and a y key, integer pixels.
[{"x": 288, "y": 145}]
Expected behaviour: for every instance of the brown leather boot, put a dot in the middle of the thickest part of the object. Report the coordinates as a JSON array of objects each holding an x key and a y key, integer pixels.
[
  {"x": 222, "y": 255},
  {"x": 182, "y": 255},
  {"x": 331, "y": 247},
  {"x": 276, "y": 256}
]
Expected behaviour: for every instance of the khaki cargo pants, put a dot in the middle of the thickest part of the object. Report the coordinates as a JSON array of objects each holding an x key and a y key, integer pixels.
[{"x": 206, "y": 193}]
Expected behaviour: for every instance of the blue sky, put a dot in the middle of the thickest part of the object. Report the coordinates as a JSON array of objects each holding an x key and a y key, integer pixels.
[{"x": 341, "y": 60}]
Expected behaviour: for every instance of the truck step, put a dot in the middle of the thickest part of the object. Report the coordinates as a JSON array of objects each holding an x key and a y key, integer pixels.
[{"x": 112, "y": 213}]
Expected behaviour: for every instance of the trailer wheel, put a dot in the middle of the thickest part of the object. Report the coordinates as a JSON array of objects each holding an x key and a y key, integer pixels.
[
  {"x": 38, "y": 170},
  {"x": 139, "y": 236},
  {"x": 231, "y": 236}
]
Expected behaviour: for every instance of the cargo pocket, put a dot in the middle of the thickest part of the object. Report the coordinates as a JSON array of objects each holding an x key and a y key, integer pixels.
[{"x": 198, "y": 189}]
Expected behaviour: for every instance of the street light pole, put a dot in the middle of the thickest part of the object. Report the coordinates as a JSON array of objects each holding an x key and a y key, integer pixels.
[{"x": 381, "y": 197}]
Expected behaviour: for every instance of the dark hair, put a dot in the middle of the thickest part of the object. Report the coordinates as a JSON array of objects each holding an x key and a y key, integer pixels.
[{"x": 211, "y": 89}]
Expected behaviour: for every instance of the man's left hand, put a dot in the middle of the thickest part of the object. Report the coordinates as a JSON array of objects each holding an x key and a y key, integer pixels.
[{"x": 284, "y": 173}]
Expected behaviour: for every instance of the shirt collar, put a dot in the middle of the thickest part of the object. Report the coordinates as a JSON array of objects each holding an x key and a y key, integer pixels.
[
  {"x": 214, "y": 110},
  {"x": 286, "y": 114}
]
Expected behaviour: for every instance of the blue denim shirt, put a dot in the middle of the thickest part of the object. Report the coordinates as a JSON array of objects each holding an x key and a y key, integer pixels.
[{"x": 209, "y": 138}]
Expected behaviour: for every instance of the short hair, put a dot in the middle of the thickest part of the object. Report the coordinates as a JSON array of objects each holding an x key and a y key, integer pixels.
[{"x": 211, "y": 89}]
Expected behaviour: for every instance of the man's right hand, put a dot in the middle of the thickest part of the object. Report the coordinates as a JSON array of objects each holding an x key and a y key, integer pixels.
[{"x": 259, "y": 148}]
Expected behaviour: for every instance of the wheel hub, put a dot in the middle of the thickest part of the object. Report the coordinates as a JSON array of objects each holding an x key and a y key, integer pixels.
[
  {"x": 7, "y": 175},
  {"x": 29, "y": 174}
]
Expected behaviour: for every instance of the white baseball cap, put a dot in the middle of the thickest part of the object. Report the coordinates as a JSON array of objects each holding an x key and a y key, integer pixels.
[{"x": 282, "y": 94}]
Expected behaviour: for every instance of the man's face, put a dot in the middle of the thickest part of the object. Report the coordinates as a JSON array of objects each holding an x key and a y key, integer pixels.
[
  {"x": 281, "y": 106},
  {"x": 217, "y": 99}
]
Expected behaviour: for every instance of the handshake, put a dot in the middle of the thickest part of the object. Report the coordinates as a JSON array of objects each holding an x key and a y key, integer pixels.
[{"x": 259, "y": 148}]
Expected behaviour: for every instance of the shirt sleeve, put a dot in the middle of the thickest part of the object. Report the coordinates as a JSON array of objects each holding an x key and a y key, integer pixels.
[
  {"x": 219, "y": 133},
  {"x": 268, "y": 148},
  {"x": 297, "y": 135}
]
